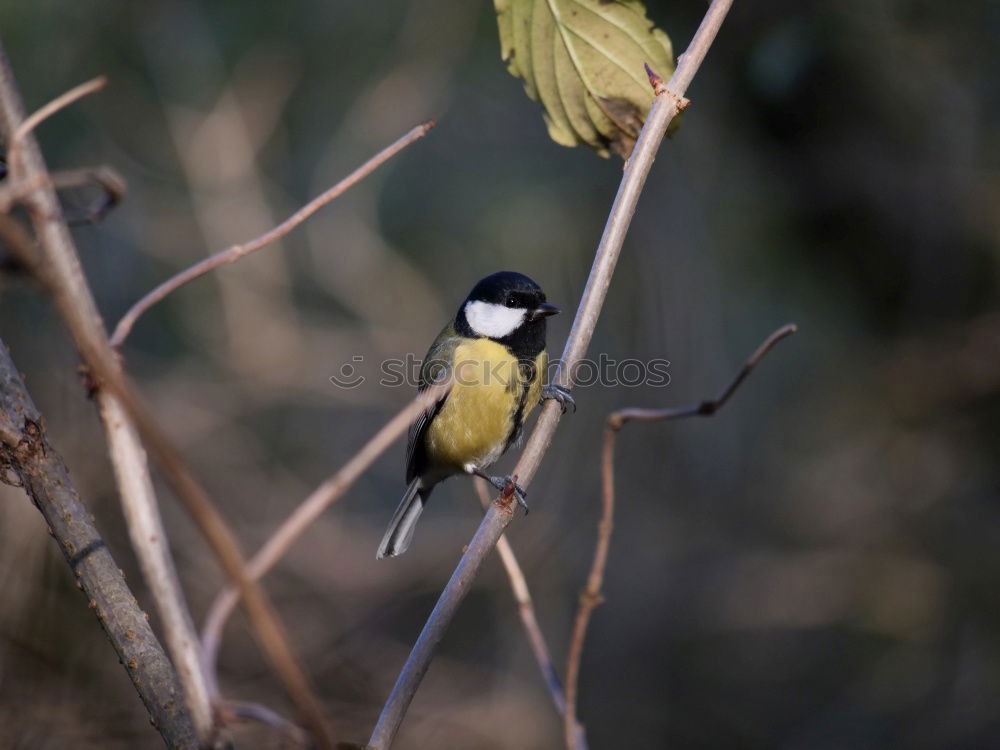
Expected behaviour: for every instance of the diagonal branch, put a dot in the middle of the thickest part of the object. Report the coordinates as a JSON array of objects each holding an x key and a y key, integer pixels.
[
  {"x": 33, "y": 120},
  {"x": 591, "y": 597},
  {"x": 526, "y": 611},
  {"x": 111, "y": 183},
  {"x": 235, "y": 252},
  {"x": 668, "y": 101},
  {"x": 32, "y": 184},
  {"x": 26, "y": 451},
  {"x": 59, "y": 271},
  {"x": 302, "y": 517},
  {"x": 247, "y": 711},
  {"x": 152, "y": 550},
  {"x": 704, "y": 408}
]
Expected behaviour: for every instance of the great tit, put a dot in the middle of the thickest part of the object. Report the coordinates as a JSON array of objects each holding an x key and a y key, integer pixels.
[{"x": 494, "y": 350}]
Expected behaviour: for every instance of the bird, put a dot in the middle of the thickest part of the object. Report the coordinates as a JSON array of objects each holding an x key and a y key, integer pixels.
[{"x": 494, "y": 351}]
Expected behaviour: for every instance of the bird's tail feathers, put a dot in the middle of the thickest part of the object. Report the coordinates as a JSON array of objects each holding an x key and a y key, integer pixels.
[{"x": 400, "y": 531}]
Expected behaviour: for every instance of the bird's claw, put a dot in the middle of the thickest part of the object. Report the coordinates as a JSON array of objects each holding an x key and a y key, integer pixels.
[
  {"x": 560, "y": 394},
  {"x": 501, "y": 484}
]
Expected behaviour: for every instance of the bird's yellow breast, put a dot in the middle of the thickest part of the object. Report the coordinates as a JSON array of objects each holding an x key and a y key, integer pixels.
[{"x": 478, "y": 417}]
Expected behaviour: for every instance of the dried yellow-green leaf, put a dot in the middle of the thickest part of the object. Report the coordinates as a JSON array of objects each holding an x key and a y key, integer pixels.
[{"x": 583, "y": 60}]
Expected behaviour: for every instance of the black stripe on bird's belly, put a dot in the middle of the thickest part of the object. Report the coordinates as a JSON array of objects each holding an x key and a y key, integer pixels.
[
  {"x": 526, "y": 343},
  {"x": 527, "y": 372}
]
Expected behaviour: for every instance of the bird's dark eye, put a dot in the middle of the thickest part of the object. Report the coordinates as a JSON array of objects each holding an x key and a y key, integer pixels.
[{"x": 510, "y": 302}]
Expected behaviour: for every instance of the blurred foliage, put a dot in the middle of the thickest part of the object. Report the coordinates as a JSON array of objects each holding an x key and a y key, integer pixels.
[
  {"x": 584, "y": 60},
  {"x": 816, "y": 567}
]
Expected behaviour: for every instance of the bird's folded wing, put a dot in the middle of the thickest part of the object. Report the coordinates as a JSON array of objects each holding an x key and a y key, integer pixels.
[{"x": 437, "y": 366}]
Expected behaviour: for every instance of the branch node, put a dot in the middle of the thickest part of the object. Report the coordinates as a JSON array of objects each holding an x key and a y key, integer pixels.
[
  {"x": 682, "y": 102},
  {"x": 590, "y": 599},
  {"x": 32, "y": 442},
  {"x": 654, "y": 80},
  {"x": 23, "y": 445},
  {"x": 36, "y": 118},
  {"x": 91, "y": 382},
  {"x": 507, "y": 494}
]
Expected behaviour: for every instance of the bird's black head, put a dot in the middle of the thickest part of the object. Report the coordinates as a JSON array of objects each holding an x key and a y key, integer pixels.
[{"x": 507, "y": 307}]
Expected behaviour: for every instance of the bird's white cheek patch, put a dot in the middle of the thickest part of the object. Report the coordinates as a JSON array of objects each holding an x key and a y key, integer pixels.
[{"x": 495, "y": 321}]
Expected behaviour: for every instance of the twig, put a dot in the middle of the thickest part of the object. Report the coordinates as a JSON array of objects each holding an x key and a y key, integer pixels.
[
  {"x": 111, "y": 183},
  {"x": 11, "y": 191},
  {"x": 264, "y": 715},
  {"x": 591, "y": 596},
  {"x": 526, "y": 611},
  {"x": 31, "y": 180},
  {"x": 235, "y": 252},
  {"x": 27, "y": 452},
  {"x": 149, "y": 541},
  {"x": 61, "y": 274},
  {"x": 705, "y": 408},
  {"x": 483, "y": 542},
  {"x": 269, "y": 631},
  {"x": 500, "y": 514},
  {"x": 36, "y": 118},
  {"x": 305, "y": 514},
  {"x": 146, "y": 530}
]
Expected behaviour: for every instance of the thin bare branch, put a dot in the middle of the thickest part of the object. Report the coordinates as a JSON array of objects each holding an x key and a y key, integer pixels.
[
  {"x": 144, "y": 524},
  {"x": 36, "y": 118},
  {"x": 61, "y": 275},
  {"x": 29, "y": 180},
  {"x": 264, "y": 715},
  {"x": 149, "y": 541},
  {"x": 11, "y": 191},
  {"x": 128, "y": 459},
  {"x": 305, "y": 514},
  {"x": 235, "y": 252},
  {"x": 591, "y": 596},
  {"x": 526, "y": 611},
  {"x": 485, "y": 539},
  {"x": 665, "y": 107},
  {"x": 705, "y": 408},
  {"x": 30, "y": 457},
  {"x": 267, "y": 627},
  {"x": 111, "y": 183}
]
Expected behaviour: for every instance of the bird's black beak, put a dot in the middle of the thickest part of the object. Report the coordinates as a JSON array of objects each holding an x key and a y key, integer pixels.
[{"x": 544, "y": 310}]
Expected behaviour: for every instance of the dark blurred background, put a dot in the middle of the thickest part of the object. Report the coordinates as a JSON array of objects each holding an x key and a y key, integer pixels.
[{"x": 815, "y": 567}]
